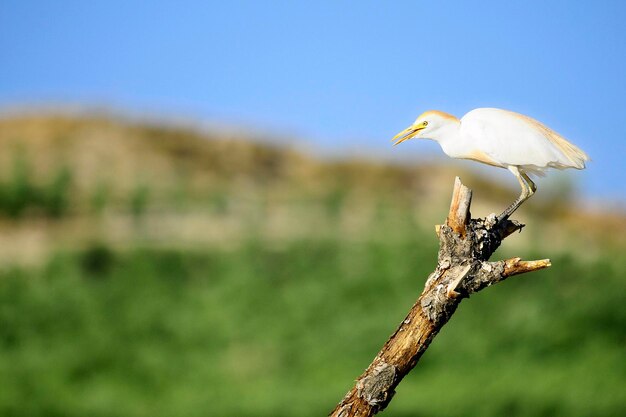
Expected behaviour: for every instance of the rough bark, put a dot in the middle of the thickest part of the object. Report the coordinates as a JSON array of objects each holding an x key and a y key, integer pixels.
[{"x": 462, "y": 269}]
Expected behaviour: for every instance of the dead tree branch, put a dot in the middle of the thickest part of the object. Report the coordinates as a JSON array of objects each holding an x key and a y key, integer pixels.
[{"x": 462, "y": 269}]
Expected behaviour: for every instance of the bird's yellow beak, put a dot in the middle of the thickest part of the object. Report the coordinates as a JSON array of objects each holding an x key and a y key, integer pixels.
[{"x": 406, "y": 134}]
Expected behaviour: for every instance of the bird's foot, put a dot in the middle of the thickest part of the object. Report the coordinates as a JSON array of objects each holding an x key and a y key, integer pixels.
[
  {"x": 510, "y": 209},
  {"x": 504, "y": 224},
  {"x": 504, "y": 216}
]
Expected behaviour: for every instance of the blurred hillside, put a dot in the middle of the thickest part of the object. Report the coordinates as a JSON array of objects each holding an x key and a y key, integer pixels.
[
  {"x": 67, "y": 181},
  {"x": 155, "y": 270}
]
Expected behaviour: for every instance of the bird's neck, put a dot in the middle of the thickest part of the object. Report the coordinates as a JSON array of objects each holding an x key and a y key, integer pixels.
[{"x": 449, "y": 138}]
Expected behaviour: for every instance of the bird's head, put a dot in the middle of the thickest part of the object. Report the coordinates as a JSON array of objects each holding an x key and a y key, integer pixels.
[{"x": 425, "y": 126}]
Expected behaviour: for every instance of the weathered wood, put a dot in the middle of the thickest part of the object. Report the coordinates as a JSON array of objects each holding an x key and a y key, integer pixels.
[
  {"x": 462, "y": 269},
  {"x": 459, "y": 214}
]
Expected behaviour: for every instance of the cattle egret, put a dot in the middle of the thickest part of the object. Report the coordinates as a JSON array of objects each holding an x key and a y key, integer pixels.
[{"x": 500, "y": 138}]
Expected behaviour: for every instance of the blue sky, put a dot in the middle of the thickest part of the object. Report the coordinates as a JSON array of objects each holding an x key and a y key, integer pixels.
[{"x": 341, "y": 75}]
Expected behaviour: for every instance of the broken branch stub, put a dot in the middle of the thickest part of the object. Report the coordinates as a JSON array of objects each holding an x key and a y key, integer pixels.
[
  {"x": 459, "y": 214},
  {"x": 462, "y": 269}
]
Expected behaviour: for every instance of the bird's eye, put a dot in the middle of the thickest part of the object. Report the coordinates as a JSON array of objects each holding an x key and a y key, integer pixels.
[{"x": 425, "y": 123}]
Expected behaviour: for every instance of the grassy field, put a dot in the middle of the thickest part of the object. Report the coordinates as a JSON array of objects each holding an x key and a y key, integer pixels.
[
  {"x": 156, "y": 271},
  {"x": 262, "y": 331}
]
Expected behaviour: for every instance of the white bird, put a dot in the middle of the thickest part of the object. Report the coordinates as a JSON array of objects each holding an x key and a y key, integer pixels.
[{"x": 499, "y": 138}]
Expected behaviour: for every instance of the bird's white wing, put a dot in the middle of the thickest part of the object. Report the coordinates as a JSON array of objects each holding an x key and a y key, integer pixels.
[{"x": 510, "y": 138}]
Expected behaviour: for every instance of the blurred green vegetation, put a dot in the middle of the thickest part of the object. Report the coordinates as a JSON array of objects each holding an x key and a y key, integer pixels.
[
  {"x": 283, "y": 331},
  {"x": 155, "y": 271},
  {"x": 20, "y": 195}
]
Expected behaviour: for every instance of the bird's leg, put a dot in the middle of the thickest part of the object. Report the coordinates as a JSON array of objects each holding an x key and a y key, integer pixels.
[
  {"x": 532, "y": 187},
  {"x": 528, "y": 189},
  {"x": 514, "y": 206}
]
